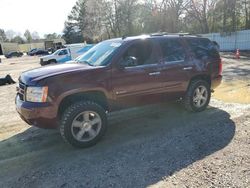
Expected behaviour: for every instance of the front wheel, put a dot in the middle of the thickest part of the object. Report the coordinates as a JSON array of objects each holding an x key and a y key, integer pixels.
[
  {"x": 197, "y": 96},
  {"x": 83, "y": 124},
  {"x": 51, "y": 62}
]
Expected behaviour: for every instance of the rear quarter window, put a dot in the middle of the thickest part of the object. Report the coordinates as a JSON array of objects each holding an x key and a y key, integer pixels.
[{"x": 203, "y": 48}]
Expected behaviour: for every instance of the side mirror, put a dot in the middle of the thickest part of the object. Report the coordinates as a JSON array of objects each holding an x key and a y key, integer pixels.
[{"x": 127, "y": 62}]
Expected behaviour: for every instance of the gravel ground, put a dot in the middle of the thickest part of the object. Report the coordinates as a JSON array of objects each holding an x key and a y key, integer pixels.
[
  {"x": 236, "y": 80},
  {"x": 152, "y": 146}
]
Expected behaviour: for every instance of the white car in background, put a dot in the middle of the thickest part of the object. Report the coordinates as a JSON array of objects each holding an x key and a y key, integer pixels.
[{"x": 63, "y": 55}]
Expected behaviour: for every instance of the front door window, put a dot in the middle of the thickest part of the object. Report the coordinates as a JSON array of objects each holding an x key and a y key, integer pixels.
[{"x": 140, "y": 52}]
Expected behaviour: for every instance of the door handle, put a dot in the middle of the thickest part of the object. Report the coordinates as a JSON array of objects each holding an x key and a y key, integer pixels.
[
  {"x": 187, "y": 68},
  {"x": 154, "y": 73}
]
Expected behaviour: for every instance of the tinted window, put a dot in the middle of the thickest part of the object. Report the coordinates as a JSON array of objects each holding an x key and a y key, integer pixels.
[
  {"x": 142, "y": 51},
  {"x": 172, "y": 50},
  {"x": 203, "y": 48},
  {"x": 63, "y": 52}
]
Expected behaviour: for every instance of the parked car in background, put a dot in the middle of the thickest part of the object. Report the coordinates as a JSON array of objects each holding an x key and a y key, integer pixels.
[
  {"x": 13, "y": 54},
  {"x": 117, "y": 74},
  {"x": 65, "y": 54},
  {"x": 34, "y": 52}
]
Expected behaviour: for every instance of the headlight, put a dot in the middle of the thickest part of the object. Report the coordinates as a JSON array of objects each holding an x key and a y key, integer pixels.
[{"x": 36, "y": 94}]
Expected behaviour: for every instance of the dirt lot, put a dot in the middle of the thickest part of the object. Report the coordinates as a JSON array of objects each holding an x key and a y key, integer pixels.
[
  {"x": 236, "y": 84},
  {"x": 154, "y": 146}
]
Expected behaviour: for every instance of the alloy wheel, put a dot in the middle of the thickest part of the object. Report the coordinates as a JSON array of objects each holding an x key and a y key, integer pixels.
[
  {"x": 86, "y": 126},
  {"x": 200, "y": 96}
]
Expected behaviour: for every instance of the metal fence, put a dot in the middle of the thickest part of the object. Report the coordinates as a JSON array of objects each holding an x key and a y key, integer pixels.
[{"x": 229, "y": 42}]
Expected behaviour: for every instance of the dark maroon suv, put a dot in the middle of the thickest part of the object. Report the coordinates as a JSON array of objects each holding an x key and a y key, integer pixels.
[{"x": 116, "y": 74}]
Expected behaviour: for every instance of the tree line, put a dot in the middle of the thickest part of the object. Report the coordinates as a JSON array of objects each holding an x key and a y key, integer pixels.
[
  {"x": 101, "y": 19},
  {"x": 27, "y": 37},
  {"x": 93, "y": 21}
]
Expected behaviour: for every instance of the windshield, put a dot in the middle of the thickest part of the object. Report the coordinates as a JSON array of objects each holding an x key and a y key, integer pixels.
[
  {"x": 78, "y": 58},
  {"x": 85, "y": 48},
  {"x": 99, "y": 54}
]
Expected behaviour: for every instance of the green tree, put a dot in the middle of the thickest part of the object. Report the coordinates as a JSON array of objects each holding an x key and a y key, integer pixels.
[
  {"x": 18, "y": 39},
  {"x": 245, "y": 7},
  {"x": 77, "y": 17},
  {"x": 71, "y": 34},
  {"x": 115, "y": 18},
  {"x": 3, "y": 37},
  {"x": 83, "y": 24},
  {"x": 52, "y": 36},
  {"x": 28, "y": 36}
]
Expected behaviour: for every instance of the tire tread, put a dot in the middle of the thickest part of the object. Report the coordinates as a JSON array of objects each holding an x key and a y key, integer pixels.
[
  {"x": 67, "y": 114},
  {"x": 188, "y": 104}
]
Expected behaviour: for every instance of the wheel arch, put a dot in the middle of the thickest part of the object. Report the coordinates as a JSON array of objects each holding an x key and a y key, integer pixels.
[
  {"x": 204, "y": 77},
  {"x": 52, "y": 60},
  {"x": 95, "y": 96}
]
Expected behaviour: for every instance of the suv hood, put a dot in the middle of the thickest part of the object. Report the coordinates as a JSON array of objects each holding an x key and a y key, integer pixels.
[{"x": 38, "y": 74}]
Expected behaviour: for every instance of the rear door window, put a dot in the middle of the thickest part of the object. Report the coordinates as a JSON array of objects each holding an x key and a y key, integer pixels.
[{"x": 172, "y": 50}]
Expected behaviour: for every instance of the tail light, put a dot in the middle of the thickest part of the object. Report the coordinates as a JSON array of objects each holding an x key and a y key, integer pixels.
[{"x": 220, "y": 67}]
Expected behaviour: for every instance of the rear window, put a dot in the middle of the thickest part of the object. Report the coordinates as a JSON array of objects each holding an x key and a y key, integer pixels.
[{"x": 203, "y": 47}]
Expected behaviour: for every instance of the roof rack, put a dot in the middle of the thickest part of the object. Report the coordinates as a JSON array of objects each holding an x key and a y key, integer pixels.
[
  {"x": 158, "y": 34},
  {"x": 179, "y": 34}
]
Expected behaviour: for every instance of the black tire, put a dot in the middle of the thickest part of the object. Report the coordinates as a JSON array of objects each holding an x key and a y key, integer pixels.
[
  {"x": 71, "y": 113},
  {"x": 50, "y": 62},
  {"x": 189, "y": 97}
]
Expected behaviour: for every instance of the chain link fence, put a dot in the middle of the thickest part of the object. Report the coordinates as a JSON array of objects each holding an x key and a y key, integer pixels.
[{"x": 230, "y": 42}]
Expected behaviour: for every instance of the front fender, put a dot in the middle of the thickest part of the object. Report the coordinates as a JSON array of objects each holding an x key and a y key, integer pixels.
[{"x": 79, "y": 91}]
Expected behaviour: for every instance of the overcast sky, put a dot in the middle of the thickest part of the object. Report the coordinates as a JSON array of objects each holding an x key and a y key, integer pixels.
[{"x": 43, "y": 16}]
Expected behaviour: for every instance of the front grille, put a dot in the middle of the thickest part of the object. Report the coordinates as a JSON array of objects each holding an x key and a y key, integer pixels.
[{"x": 21, "y": 91}]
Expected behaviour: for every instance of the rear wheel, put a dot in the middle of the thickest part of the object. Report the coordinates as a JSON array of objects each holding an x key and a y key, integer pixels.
[
  {"x": 83, "y": 124},
  {"x": 197, "y": 96}
]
